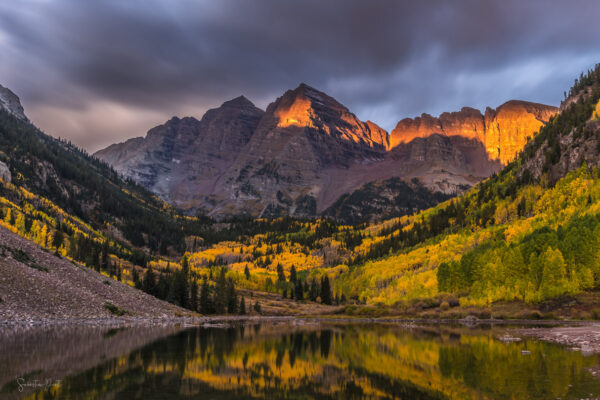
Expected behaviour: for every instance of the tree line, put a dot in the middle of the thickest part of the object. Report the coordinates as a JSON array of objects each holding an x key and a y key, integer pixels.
[{"x": 180, "y": 287}]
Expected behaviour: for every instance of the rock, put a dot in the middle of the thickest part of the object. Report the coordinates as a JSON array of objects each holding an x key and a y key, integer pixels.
[
  {"x": 11, "y": 103},
  {"x": 5, "y": 174},
  {"x": 508, "y": 338},
  {"x": 503, "y": 131},
  {"x": 469, "y": 320}
]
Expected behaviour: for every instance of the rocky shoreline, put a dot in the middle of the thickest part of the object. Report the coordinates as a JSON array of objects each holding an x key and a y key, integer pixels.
[
  {"x": 585, "y": 338},
  {"x": 541, "y": 325},
  {"x": 145, "y": 321}
]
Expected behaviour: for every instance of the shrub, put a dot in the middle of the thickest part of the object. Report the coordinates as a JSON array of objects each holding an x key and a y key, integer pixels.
[{"x": 114, "y": 309}]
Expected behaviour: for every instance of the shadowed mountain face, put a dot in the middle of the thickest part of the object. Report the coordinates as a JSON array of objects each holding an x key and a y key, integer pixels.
[
  {"x": 184, "y": 158},
  {"x": 306, "y": 150}
]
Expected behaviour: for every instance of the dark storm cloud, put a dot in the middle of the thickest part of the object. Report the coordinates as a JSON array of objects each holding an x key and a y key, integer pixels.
[{"x": 102, "y": 71}]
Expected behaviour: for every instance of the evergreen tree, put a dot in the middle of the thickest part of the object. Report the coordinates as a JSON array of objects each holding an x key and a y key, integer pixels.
[
  {"x": 299, "y": 291},
  {"x": 205, "y": 306},
  {"x": 293, "y": 276},
  {"x": 178, "y": 289},
  {"x": 257, "y": 307},
  {"x": 162, "y": 287},
  {"x": 325, "y": 290},
  {"x": 95, "y": 261},
  {"x": 194, "y": 295},
  {"x": 522, "y": 207},
  {"x": 220, "y": 296},
  {"x": 313, "y": 293},
  {"x": 72, "y": 251},
  {"x": 280, "y": 273},
  {"x": 247, "y": 272},
  {"x": 135, "y": 278},
  {"x": 185, "y": 265},
  {"x": 242, "y": 308},
  {"x": 58, "y": 239},
  {"x": 28, "y": 224},
  {"x": 104, "y": 260},
  {"x": 149, "y": 281},
  {"x": 232, "y": 300}
]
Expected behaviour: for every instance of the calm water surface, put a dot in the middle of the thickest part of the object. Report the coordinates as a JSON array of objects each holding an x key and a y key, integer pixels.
[{"x": 287, "y": 361}]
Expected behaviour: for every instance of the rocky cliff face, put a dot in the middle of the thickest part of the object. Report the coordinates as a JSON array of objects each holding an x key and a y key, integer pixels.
[
  {"x": 503, "y": 131},
  {"x": 181, "y": 159},
  {"x": 5, "y": 174},
  {"x": 306, "y": 150},
  {"x": 11, "y": 103},
  {"x": 302, "y": 135}
]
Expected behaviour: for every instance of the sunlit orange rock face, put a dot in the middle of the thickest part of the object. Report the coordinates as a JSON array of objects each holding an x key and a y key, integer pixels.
[
  {"x": 503, "y": 131},
  {"x": 306, "y": 107}
]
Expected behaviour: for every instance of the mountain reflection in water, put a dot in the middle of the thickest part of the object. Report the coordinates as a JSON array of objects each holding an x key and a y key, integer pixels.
[{"x": 324, "y": 361}]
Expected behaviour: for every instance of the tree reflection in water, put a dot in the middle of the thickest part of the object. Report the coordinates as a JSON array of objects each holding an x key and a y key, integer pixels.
[{"x": 336, "y": 361}]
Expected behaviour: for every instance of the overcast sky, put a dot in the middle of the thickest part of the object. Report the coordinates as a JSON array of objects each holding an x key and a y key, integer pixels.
[{"x": 99, "y": 72}]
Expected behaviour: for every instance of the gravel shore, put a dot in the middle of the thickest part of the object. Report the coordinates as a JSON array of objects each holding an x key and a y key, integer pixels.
[{"x": 584, "y": 338}]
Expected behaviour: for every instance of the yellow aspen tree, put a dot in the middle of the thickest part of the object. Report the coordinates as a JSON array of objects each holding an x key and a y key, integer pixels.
[
  {"x": 20, "y": 222},
  {"x": 42, "y": 236}
]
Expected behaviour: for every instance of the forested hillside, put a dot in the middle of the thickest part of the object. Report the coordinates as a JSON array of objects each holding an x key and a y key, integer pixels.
[
  {"x": 530, "y": 233},
  {"x": 87, "y": 188},
  {"x": 69, "y": 202}
]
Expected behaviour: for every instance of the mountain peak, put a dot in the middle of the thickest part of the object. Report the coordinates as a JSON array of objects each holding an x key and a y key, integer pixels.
[
  {"x": 304, "y": 86},
  {"x": 11, "y": 103},
  {"x": 542, "y": 112},
  {"x": 306, "y": 106},
  {"x": 304, "y": 90},
  {"x": 240, "y": 101}
]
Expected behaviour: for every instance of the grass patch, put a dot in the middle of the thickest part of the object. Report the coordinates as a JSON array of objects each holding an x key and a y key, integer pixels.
[
  {"x": 22, "y": 257},
  {"x": 39, "y": 267},
  {"x": 114, "y": 309}
]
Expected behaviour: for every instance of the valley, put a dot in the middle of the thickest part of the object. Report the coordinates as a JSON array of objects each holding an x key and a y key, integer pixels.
[
  {"x": 512, "y": 237},
  {"x": 299, "y": 200}
]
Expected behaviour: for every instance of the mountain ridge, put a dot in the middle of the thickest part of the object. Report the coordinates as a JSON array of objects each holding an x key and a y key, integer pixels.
[
  {"x": 497, "y": 129},
  {"x": 306, "y": 150}
]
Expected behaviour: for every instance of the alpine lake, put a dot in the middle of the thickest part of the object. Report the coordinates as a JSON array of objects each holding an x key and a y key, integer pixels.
[{"x": 289, "y": 360}]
